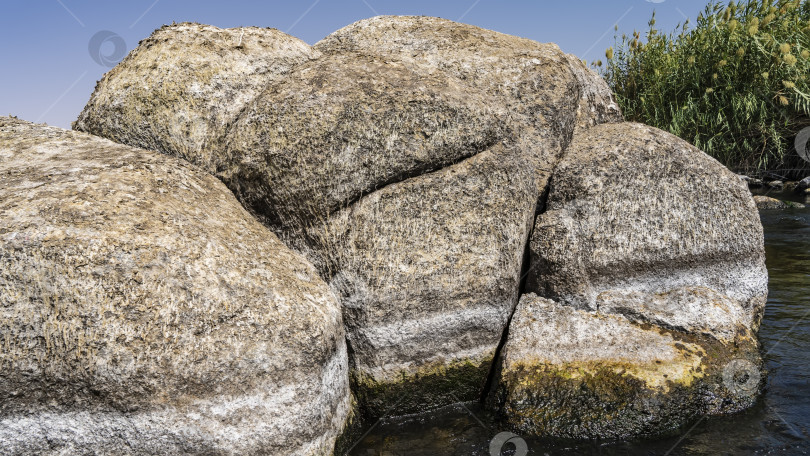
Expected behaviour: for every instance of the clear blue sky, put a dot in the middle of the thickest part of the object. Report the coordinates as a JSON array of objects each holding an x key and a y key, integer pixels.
[{"x": 48, "y": 72}]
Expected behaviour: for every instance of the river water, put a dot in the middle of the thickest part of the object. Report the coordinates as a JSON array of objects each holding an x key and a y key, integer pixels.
[{"x": 778, "y": 424}]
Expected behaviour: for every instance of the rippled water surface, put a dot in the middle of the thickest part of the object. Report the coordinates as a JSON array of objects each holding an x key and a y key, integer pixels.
[{"x": 778, "y": 424}]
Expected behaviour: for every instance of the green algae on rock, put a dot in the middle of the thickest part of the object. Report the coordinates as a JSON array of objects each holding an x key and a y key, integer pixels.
[
  {"x": 429, "y": 387},
  {"x": 579, "y": 374},
  {"x": 143, "y": 310}
]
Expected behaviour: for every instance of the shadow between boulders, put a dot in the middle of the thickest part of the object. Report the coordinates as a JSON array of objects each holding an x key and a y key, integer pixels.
[{"x": 489, "y": 394}]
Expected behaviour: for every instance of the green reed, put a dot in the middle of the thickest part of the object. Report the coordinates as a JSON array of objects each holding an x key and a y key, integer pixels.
[{"x": 734, "y": 85}]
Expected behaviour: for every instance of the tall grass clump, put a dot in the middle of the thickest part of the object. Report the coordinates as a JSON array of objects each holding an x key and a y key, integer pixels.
[{"x": 735, "y": 85}]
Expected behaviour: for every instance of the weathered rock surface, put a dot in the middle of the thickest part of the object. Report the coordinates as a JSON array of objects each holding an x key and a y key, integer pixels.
[
  {"x": 691, "y": 309},
  {"x": 407, "y": 158},
  {"x": 766, "y": 202},
  {"x": 429, "y": 264},
  {"x": 533, "y": 79},
  {"x": 181, "y": 87},
  {"x": 653, "y": 253},
  {"x": 144, "y": 311},
  {"x": 596, "y": 103},
  {"x": 428, "y": 270},
  {"x": 342, "y": 126},
  {"x": 574, "y": 373},
  {"x": 638, "y": 212},
  {"x": 394, "y": 97}
]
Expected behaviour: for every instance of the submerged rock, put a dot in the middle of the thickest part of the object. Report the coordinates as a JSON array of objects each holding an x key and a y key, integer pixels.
[
  {"x": 803, "y": 185},
  {"x": 144, "y": 311},
  {"x": 181, "y": 87},
  {"x": 752, "y": 181},
  {"x": 766, "y": 202},
  {"x": 581, "y": 374}
]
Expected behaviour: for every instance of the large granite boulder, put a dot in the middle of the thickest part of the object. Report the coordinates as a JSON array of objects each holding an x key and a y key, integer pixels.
[
  {"x": 634, "y": 210},
  {"x": 408, "y": 158},
  {"x": 582, "y": 374},
  {"x": 533, "y": 79},
  {"x": 427, "y": 261},
  {"x": 181, "y": 87},
  {"x": 342, "y": 126},
  {"x": 144, "y": 311},
  {"x": 428, "y": 271},
  {"x": 653, "y": 255},
  {"x": 392, "y": 98}
]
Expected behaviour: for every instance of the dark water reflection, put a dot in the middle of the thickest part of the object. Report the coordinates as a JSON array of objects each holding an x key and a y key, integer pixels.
[{"x": 778, "y": 424}]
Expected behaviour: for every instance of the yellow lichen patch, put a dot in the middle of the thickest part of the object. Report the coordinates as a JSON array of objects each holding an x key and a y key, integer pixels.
[
  {"x": 548, "y": 336},
  {"x": 683, "y": 368}
]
